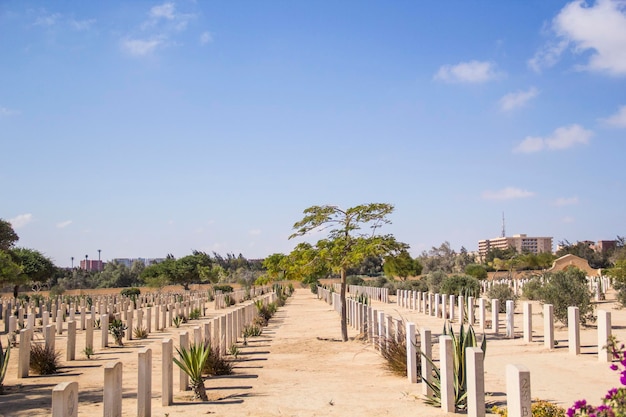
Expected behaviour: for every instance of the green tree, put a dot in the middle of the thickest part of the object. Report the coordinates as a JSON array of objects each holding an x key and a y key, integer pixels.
[
  {"x": 442, "y": 258},
  {"x": 460, "y": 285},
  {"x": 567, "y": 288},
  {"x": 9, "y": 271},
  {"x": 618, "y": 273},
  {"x": 35, "y": 266},
  {"x": 402, "y": 266},
  {"x": 275, "y": 266},
  {"x": 476, "y": 270},
  {"x": 346, "y": 246},
  {"x": 8, "y": 237}
]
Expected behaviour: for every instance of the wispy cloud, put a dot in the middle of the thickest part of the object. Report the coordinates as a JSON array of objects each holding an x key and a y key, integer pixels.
[
  {"x": 21, "y": 220},
  {"x": 508, "y": 193},
  {"x": 47, "y": 19},
  {"x": 142, "y": 47},
  {"x": 518, "y": 99},
  {"x": 255, "y": 232},
  {"x": 81, "y": 25},
  {"x": 568, "y": 219},
  {"x": 64, "y": 224},
  {"x": 599, "y": 28},
  {"x": 561, "y": 138},
  {"x": 160, "y": 29},
  {"x": 468, "y": 72},
  {"x": 565, "y": 201},
  {"x": 205, "y": 38},
  {"x": 618, "y": 119},
  {"x": 5, "y": 112}
]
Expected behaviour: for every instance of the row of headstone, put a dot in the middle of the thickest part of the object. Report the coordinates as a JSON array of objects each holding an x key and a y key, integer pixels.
[
  {"x": 374, "y": 293},
  {"x": 219, "y": 331},
  {"x": 225, "y": 300}
]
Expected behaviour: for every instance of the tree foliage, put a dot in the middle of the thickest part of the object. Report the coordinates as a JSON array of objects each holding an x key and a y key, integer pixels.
[
  {"x": 402, "y": 266},
  {"x": 476, "y": 270},
  {"x": 567, "y": 288},
  {"x": 346, "y": 244},
  {"x": 460, "y": 285},
  {"x": 8, "y": 237},
  {"x": 35, "y": 267}
]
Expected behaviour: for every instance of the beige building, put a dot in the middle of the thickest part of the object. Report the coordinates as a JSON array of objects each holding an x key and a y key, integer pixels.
[{"x": 521, "y": 243}]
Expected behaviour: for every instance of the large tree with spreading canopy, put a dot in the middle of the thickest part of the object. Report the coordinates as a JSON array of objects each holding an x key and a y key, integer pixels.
[{"x": 346, "y": 244}]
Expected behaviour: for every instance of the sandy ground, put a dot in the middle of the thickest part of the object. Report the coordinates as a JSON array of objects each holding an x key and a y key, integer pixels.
[{"x": 298, "y": 368}]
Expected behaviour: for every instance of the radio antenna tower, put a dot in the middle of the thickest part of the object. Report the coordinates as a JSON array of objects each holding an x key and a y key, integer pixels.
[{"x": 503, "y": 230}]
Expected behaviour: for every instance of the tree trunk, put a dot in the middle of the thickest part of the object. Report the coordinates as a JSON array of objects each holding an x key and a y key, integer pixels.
[
  {"x": 344, "y": 320},
  {"x": 16, "y": 289},
  {"x": 200, "y": 391}
]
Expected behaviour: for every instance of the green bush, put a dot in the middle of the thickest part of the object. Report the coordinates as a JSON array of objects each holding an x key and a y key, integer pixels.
[
  {"x": 532, "y": 289},
  {"x": 568, "y": 288},
  {"x": 434, "y": 280},
  {"x": 44, "y": 360},
  {"x": 117, "y": 328},
  {"x": 476, "y": 270},
  {"x": 503, "y": 293},
  {"x": 460, "y": 285},
  {"x": 223, "y": 288},
  {"x": 130, "y": 292},
  {"x": 355, "y": 280}
]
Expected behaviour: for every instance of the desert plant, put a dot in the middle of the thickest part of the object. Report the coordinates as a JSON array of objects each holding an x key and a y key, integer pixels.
[
  {"x": 96, "y": 324},
  {"x": 234, "y": 351},
  {"x": 466, "y": 338},
  {"x": 130, "y": 292},
  {"x": 4, "y": 363},
  {"x": 192, "y": 362},
  {"x": 43, "y": 359},
  {"x": 194, "y": 314},
  {"x": 393, "y": 350},
  {"x": 538, "y": 408},
  {"x": 252, "y": 330},
  {"x": 117, "y": 328},
  {"x": 567, "y": 288},
  {"x": 460, "y": 284},
  {"x": 217, "y": 364},
  {"x": 503, "y": 293},
  {"x": 532, "y": 289},
  {"x": 178, "y": 320},
  {"x": 140, "y": 333},
  {"x": 89, "y": 352}
]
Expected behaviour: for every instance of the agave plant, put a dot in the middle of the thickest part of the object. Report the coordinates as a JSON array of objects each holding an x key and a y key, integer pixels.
[
  {"x": 4, "y": 363},
  {"x": 466, "y": 338},
  {"x": 192, "y": 362}
]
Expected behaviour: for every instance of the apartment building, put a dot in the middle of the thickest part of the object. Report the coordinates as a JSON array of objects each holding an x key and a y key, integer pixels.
[{"x": 521, "y": 243}]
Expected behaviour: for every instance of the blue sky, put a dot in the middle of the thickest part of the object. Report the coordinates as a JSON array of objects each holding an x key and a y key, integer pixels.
[{"x": 145, "y": 128}]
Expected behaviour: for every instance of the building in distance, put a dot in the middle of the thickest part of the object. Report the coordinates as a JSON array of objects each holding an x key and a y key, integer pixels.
[{"x": 521, "y": 243}]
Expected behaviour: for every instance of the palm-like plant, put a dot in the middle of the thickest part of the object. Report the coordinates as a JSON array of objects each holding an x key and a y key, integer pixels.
[
  {"x": 192, "y": 362},
  {"x": 4, "y": 363},
  {"x": 466, "y": 338}
]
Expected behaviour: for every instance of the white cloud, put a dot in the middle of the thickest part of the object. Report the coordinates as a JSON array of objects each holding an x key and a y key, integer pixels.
[
  {"x": 561, "y": 138},
  {"x": 616, "y": 120},
  {"x": 599, "y": 28},
  {"x": 468, "y": 72},
  {"x": 518, "y": 99},
  {"x": 47, "y": 19},
  {"x": 568, "y": 219},
  {"x": 141, "y": 47},
  {"x": 205, "y": 38},
  {"x": 21, "y": 220},
  {"x": 255, "y": 232},
  {"x": 64, "y": 224},
  {"x": 507, "y": 193},
  {"x": 165, "y": 11},
  {"x": 81, "y": 25},
  {"x": 563, "y": 201},
  {"x": 4, "y": 111}
]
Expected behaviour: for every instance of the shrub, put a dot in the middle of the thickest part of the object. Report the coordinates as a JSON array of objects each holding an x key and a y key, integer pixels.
[
  {"x": 394, "y": 353},
  {"x": 43, "y": 360},
  {"x": 217, "y": 364},
  {"x": 567, "y": 288},
  {"x": 140, "y": 333},
  {"x": 532, "y": 289},
  {"x": 476, "y": 270},
  {"x": 503, "y": 293},
  {"x": 194, "y": 314},
  {"x": 223, "y": 288},
  {"x": 434, "y": 280},
  {"x": 538, "y": 408},
  {"x": 252, "y": 330},
  {"x": 130, "y": 292},
  {"x": 460, "y": 285},
  {"x": 466, "y": 338},
  {"x": 4, "y": 363},
  {"x": 192, "y": 362},
  {"x": 117, "y": 328},
  {"x": 89, "y": 352},
  {"x": 354, "y": 280}
]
